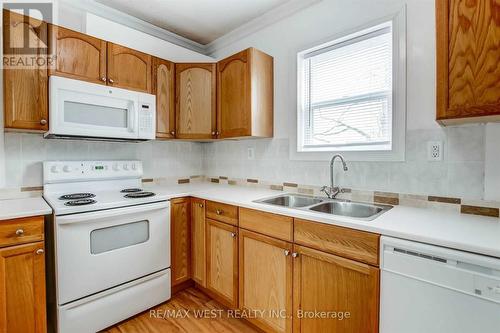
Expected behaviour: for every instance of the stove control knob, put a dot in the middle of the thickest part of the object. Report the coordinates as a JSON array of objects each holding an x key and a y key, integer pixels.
[
  {"x": 55, "y": 169},
  {"x": 67, "y": 168},
  {"x": 116, "y": 167},
  {"x": 125, "y": 166}
]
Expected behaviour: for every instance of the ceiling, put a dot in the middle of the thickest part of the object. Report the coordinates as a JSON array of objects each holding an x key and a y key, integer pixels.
[{"x": 202, "y": 21}]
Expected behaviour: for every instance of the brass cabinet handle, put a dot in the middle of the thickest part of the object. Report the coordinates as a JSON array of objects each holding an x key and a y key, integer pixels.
[
  {"x": 172, "y": 133},
  {"x": 217, "y": 133},
  {"x": 219, "y": 212},
  {"x": 213, "y": 133},
  {"x": 103, "y": 79},
  {"x": 287, "y": 253},
  {"x": 111, "y": 81},
  {"x": 19, "y": 232},
  {"x": 233, "y": 234},
  {"x": 40, "y": 251},
  {"x": 43, "y": 122},
  {"x": 295, "y": 255},
  {"x": 201, "y": 205}
]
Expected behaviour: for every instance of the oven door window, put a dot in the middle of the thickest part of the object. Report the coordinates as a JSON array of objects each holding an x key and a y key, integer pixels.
[{"x": 116, "y": 237}]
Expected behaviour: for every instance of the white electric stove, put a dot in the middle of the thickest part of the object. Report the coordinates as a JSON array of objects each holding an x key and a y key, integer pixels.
[{"x": 110, "y": 243}]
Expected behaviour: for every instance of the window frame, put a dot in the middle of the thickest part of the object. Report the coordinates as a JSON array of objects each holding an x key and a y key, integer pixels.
[{"x": 361, "y": 152}]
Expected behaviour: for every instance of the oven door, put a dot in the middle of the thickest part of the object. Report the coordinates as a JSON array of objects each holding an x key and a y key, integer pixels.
[
  {"x": 100, "y": 250},
  {"x": 79, "y": 108}
]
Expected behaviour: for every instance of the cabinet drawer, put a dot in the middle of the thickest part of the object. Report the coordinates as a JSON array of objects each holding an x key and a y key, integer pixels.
[
  {"x": 222, "y": 212},
  {"x": 19, "y": 231},
  {"x": 277, "y": 226},
  {"x": 349, "y": 243}
]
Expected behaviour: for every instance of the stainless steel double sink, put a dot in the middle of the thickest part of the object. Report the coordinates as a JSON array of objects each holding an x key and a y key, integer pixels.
[{"x": 357, "y": 210}]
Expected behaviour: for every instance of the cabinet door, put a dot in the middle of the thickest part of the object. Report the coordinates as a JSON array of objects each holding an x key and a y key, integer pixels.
[
  {"x": 324, "y": 284},
  {"x": 78, "y": 56},
  {"x": 195, "y": 101},
  {"x": 163, "y": 88},
  {"x": 22, "y": 289},
  {"x": 234, "y": 104},
  {"x": 468, "y": 54},
  {"x": 25, "y": 89},
  {"x": 180, "y": 240},
  {"x": 198, "y": 247},
  {"x": 266, "y": 280},
  {"x": 222, "y": 262},
  {"x": 129, "y": 69}
]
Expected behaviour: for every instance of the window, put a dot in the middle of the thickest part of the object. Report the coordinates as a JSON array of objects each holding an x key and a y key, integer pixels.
[{"x": 346, "y": 93}]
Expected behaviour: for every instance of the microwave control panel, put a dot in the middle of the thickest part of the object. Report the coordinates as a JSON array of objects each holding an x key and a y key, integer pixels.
[{"x": 147, "y": 120}]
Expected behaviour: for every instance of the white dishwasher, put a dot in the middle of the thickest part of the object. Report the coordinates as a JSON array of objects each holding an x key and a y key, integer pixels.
[{"x": 431, "y": 289}]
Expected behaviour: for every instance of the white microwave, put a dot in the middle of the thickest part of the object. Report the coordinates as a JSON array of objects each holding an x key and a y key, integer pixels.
[{"x": 83, "y": 110}]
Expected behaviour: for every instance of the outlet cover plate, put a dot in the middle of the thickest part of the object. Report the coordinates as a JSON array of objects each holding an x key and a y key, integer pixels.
[{"x": 435, "y": 151}]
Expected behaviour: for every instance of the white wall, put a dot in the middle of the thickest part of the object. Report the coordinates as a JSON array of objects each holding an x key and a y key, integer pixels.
[{"x": 461, "y": 173}]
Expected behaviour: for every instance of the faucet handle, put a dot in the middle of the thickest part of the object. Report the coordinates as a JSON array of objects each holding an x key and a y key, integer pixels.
[{"x": 327, "y": 190}]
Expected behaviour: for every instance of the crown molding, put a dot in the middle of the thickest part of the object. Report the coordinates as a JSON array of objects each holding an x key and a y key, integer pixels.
[
  {"x": 274, "y": 15},
  {"x": 117, "y": 16}
]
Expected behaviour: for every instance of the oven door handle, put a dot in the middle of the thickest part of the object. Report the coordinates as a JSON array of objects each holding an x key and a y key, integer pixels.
[{"x": 86, "y": 217}]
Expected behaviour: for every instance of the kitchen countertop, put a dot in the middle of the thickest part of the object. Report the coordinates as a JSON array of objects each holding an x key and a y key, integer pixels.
[
  {"x": 25, "y": 207},
  {"x": 478, "y": 234}
]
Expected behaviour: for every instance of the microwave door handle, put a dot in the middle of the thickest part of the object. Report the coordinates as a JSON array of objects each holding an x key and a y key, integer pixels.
[{"x": 131, "y": 117}]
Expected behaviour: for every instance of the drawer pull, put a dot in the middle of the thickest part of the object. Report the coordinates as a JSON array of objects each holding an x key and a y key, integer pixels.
[
  {"x": 201, "y": 205},
  {"x": 219, "y": 212},
  {"x": 19, "y": 232},
  {"x": 287, "y": 253},
  {"x": 43, "y": 122},
  {"x": 103, "y": 79},
  {"x": 233, "y": 234},
  {"x": 295, "y": 255},
  {"x": 40, "y": 251}
]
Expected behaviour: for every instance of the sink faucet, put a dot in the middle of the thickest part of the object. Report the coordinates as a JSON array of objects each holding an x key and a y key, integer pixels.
[{"x": 332, "y": 191}]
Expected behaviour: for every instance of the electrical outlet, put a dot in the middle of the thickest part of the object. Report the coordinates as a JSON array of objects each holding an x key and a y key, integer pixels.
[
  {"x": 435, "y": 151},
  {"x": 251, "y": 153}
]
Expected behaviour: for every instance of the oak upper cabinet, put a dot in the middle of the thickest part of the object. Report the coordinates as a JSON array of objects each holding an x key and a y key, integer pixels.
[
  {"x": 245, "y": 95},
  {"x": 25, "y": 89},
  {"x": 180, "y": 240},
  {"x": 78, "y": 56},
  {"x": 198, "y": 244},
  {"x": 468, "y": 57},
  {"x": 266, "y": 280},
  {"x": 163, "y": 88},
  {"x": 128, "y": 68},
  {"x": 195, "y": 86},
  {"x": 330, "y": 284},
  {"x": 222, "y": 262}
]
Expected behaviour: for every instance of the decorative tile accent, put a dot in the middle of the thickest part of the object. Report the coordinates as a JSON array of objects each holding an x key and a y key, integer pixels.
[
  {"x": 445, "y": 200},
  {"x": 223, "y": 177},
  {"x": 183, "y": 181},
  {"x": 147, "y": 180},
  {"x": 386, "y": 198},
  {"x": 253, "y": 181},
  {"x": 484, "y": 211},
  {"x": 31, "y": 188},
  {"x": 276, "y": 187},
  {"x": 290, "y": 185},
  {"x": 214, "y": 180},
  {"x": 232, "y": 182}
]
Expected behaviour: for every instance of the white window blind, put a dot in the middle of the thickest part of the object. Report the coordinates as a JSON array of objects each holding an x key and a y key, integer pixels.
[{"x": 347, "y": 93}]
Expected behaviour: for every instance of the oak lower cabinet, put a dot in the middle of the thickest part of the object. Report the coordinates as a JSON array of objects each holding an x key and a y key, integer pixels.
[
  {"x": 195, "y": 97},
  {"x": 222, "y": 262},
  {"x": 265, "y": 285},
  {"x": 22, "y": 276},
  {"x": 78, "y": 56},
  {"x": 198, "y": 242},
  {"x": 343, "y": 290},
  {"x": 180, "y": 227},
  {"x": 245, "y": 95},
  {"x": 468, "y": 53},
  {"x": 25, "y": 89},
  {"x": 163, "y": 88}
]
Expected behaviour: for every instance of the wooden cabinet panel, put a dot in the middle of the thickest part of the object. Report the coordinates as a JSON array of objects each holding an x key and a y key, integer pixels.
[
  {"x": 245, "y": 95},
  {"x": 468, "y": 61},
  {"x": 198, "y": 246},
  {"x": 128, "y": 68},
  {"x": 22, "y": 230},
  {"x": 329, "y": 284},
  {"x": 222, "y": 212},
  {"x": 266, "y": 281},
  {"x": 22, "y": 289},
  {"x": 78, "y": 56},
  {"x": 163, "y": 88},
  {"x": 195, "y": 101},
  {"x": 222, "y": 262},
  {"x": 350, "y": 243},
  {"x": 269, "y": 224},
  {"x": 180, "y": 240},
  {"x": 26, "y": 89}
]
